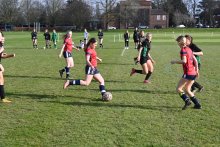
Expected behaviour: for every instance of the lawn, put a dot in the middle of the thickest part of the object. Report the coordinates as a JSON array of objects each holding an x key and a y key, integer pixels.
[{"x": 43, "y": 114}]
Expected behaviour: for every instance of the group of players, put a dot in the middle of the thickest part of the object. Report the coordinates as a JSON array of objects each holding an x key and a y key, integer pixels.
[
  {"x": 48, "y": 38},
  {"x": 189, "y": 55}
]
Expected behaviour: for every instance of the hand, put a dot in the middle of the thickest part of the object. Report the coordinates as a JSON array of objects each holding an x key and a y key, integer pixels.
[
  {"x": 197, "y": 74},
  {"x": 173, "y": 62},
  {"x": 60, "y": 55},
  {"x": 138, "y": 59},
  {"x": 153, "y": 61}
]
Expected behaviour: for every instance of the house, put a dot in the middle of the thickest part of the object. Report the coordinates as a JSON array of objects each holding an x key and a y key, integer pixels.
[{"x": 144, "y": 15}]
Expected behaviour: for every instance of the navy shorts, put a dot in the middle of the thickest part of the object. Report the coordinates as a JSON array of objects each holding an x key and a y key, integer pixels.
[
  {"x": 91, "y": 71},
  {"x": 67, "y": 54},
  {"x": 143, "y": 60},
  {"x": 189, "y": 77}
]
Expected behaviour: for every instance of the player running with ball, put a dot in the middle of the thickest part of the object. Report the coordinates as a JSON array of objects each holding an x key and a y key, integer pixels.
[{"x": 91, "y": 70}]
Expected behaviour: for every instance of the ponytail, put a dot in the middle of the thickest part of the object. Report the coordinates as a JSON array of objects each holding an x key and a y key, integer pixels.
[{"x": 92, "y": 40}]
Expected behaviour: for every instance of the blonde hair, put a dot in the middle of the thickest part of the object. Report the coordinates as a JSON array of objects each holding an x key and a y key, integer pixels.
[{"x": 181, "y": 40}]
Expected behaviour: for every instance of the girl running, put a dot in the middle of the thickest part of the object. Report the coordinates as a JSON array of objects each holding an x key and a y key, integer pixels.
[
  {"x": 145, "y": 59},
  {"x": 91, "y": 70},
  {"x": 190, "y": 68},
  {"x": 66, "y": 51},
  {"x": 197, "y": 53}
]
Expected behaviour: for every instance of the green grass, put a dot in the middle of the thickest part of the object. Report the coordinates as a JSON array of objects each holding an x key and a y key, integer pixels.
[{"x": 43, "y": 114}]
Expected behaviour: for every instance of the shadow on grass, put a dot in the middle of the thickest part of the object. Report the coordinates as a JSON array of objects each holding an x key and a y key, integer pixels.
[
  {"x": 138, "y": 91},
  {"x": 34, "y": 77},
  {"x": 111, "y": 105},
  {"x": 42, "y": 96}
]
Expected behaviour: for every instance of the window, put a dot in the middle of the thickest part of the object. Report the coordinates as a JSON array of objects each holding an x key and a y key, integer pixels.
[
  {"x": 164, "y": 17},
  {"x": 158, "y": 17}
]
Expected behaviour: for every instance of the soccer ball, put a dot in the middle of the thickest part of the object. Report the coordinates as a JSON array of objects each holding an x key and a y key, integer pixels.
[{"x": 107, "y": 96}]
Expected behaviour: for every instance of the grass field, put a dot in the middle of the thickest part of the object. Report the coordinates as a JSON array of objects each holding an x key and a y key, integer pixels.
[{"x": 43, "y": 114}]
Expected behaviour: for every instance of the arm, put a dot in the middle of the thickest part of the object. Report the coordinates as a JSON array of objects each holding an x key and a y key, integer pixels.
[
  {"x": 196, "y": 66},
  {"x": 88, "y": 60},
  {"x": 183, "y": 61},
  {"x": 151, "y": 58},
  {"x": 61, "y": 51},
  {"x": 99, "y": 59},
  {"x": 139, "y": 53},
  {"x": 198, "y": 53}
]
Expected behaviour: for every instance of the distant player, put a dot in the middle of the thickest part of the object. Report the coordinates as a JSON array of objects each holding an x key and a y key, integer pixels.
[
  {"x": 136, "y": 37},
  {"x": 91, "y": 70},
  {"x": 145, "y": 59},
  {"x": 34, "y": 39},
  {"x": 100, "y": 36},
  {"x": 54, "y": 38},
  {"x": 47, "y": 38},
  {"x": 81, "y": 45},
  {"x": 126, "y": 39},
  {"x": 197, "y": 52},
  {"x": 190, "y": 72},
  {"x": 66, "y": 51},
  {"x": 86, "y": 36}
]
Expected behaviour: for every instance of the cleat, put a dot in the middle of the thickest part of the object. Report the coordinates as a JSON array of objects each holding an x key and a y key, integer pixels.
[
  {"x": 187, "y": 104},
  {"x": 61, "y": 73},
  {"x": 66, "y": 84},
  {"x": 197, "y": 106},
  {"x": 5, "y": 100},
  {"x": 132, "y": 71},
  {"x": 146, "y": 81},
  {"x": 201, "y": 89}
]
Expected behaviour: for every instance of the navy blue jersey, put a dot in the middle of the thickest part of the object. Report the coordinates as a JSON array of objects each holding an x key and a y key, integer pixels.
[
  {"x": 34, "y": 35},
  {"x": 100, "y": 35},
  {"x": 47, "y": 36}
]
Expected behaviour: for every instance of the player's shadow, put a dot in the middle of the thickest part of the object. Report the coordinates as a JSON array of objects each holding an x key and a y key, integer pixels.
[
  {"x": 114, "y": 105},
  {"x": 156, "y": 91},
  {"x": 42, "y": 96},
  {"x": 113, "y": 63},
  {"x": 32, "y": 77}
]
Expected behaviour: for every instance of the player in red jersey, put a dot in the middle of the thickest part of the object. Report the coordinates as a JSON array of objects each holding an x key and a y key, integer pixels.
[
  {"x": 190, "y": 68},
  {"x": 66, "y": 51},
  {"x": 90, "y": 69}
]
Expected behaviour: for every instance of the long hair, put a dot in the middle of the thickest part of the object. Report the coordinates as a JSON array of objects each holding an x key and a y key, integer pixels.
[
  {"x": 92, "y": 40},
  {"x": 66, "y": 35}
]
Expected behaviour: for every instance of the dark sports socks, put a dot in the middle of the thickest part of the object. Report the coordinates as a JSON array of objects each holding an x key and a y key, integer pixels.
[
  {"x": 102, "y": 89},
  {"x": 75, "y": 82},
  {"x": 148, "y": 75},
  {"x": 67, "y": 70},
  {"x": 197, "y": 85},
  {"x": 138, "y": 71},
  {"x": 195, "y": 100},
  {"x": 2, "y": 92},
  {"x": 184, "y": 96}
]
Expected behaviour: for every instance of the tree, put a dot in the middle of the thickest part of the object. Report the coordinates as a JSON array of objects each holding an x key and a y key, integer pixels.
[
  {"x": 207, "y": 7},
  {"x": 52, "y": 9},
  {"x": 77, "y": 13},
  {"x": 172, "y": 7},
  {"x": 108, "y": 6},
  {"x": 129, "y": 14},
  {"x": 8, "y": 11}
]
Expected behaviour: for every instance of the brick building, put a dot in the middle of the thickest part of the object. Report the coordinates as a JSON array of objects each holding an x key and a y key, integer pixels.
[{"x": 145, "y": 15}]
